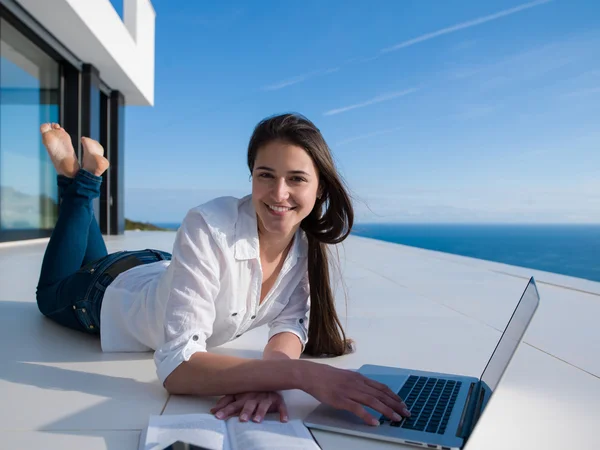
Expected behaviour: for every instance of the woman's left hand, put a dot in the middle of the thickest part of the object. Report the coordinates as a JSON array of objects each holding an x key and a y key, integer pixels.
[{"x": 253, "y": 405}]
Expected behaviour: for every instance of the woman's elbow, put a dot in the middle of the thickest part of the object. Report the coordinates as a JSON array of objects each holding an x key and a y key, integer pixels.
[
  {"x": 182, "y": 381},
  {"x": 170, "y": 385},
  {"x": 174, "y": 383}
]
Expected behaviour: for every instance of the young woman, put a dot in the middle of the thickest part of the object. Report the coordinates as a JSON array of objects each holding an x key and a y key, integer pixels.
[{"x": 236, "y": 264}]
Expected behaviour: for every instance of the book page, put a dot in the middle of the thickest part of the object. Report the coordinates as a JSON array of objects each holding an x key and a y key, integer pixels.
[
  {"x": 202, "y": 430},
  {"x": 270, "y": 434}
]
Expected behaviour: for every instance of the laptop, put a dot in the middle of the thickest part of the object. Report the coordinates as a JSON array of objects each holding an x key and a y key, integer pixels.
[{"x": 444, "y": 407}]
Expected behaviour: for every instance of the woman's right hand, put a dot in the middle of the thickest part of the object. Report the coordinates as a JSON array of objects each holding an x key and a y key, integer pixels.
[{"x": 345, "y": 389}]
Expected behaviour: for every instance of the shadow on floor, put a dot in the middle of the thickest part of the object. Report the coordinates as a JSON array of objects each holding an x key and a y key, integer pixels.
[{"x": 26, "y": 335}]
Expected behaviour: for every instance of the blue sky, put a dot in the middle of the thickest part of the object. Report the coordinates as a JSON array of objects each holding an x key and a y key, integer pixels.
[{"x": 436, "y": 111}]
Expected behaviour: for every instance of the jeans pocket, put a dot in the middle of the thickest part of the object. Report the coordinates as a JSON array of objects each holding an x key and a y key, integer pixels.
[{"x": 83, "y": 312}]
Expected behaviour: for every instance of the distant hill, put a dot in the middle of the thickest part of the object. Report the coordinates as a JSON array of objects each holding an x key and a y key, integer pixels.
[
  {"x": 21, "y": 210},
  {"x": 25, "y": 211},
  {"x": 143, "y": 226}
]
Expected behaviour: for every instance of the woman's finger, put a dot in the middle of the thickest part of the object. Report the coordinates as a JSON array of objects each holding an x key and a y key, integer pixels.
[
  {"x": 248, "y": 410},
  {"x": 385, "y": 390},
  {"x": 283, "y": 411},
  {"x": 262, "y": 409},
  {"x": 394, "y": 402},
  {"x": 379, "y": 406},
  {"x": 230, "y": 410},
  {"x": 223, "y": 401},
  {"x": 360, "y": 411}
]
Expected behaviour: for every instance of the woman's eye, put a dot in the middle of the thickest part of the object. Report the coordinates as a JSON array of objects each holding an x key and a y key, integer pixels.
[{"x": 266, "y": 175}]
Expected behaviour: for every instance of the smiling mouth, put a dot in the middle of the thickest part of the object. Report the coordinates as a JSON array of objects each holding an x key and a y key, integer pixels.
[{"x": 280, "y": 209}]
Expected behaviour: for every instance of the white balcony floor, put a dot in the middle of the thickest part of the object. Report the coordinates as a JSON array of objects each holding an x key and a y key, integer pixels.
[{"x": 407, "y": 307}]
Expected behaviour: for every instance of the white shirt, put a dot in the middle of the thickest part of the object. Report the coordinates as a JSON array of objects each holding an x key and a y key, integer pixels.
[{"x": 209, "y": 293}]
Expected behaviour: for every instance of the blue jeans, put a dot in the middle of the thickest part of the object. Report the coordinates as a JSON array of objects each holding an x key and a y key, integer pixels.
[{"x": 77, "y": 269}]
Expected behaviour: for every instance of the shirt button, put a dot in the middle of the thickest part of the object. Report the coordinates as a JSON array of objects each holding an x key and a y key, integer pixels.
[
  {"x": 237, "y": 336},
  {"x": 195, "y": 337},
  {"x": 301, "y": 321},
  {"x": 253, "y": 317},
  {"x": 234, "y": 314},
  {"x": 74, "y": 307},
  {"x": 83, "y": 310},
  {"x": 91, "y": 327}
]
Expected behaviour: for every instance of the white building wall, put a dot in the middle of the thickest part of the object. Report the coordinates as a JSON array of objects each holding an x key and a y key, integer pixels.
[
  {"x": 139, "y": 18},
  {"x": 123, "y": 51}
]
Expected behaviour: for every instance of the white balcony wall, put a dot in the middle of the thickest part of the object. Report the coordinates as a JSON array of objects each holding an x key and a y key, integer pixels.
[{"x": 122, "y": 50}]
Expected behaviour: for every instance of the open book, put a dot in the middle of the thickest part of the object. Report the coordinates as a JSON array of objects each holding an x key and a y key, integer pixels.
[{"x": 207, "y": 432}]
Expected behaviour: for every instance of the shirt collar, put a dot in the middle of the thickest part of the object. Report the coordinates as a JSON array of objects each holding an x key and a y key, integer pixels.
[
  {"x": 246, "y": 232},
  {"x": 246, "y": 235}
]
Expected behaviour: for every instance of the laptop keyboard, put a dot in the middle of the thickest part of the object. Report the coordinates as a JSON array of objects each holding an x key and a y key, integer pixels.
[{"x": 430, "y": 402}]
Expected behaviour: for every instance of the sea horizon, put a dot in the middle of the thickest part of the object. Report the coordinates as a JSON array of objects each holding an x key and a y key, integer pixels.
[{"x": 562, "y": 248}]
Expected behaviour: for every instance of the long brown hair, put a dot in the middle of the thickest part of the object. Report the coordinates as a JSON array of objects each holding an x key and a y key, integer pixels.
[{"x": 330, "y": 222}]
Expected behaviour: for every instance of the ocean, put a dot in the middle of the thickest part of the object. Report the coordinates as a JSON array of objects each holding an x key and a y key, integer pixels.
[{"x": 572, "y": 250}]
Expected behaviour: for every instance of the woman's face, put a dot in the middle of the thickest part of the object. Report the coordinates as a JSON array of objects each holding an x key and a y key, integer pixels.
[{"x": 285, "y": 183}]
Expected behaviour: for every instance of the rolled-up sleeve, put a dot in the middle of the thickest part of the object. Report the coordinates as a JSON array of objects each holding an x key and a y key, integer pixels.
[
  {"x": 294, "y": 318},
  {"x": 192, "y": 284}
]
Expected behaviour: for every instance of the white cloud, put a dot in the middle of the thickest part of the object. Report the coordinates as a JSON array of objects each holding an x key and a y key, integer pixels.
[
  {"x": 425, "y": 37},
  {"x": 378, "y": 99},
  {"x": 298, "y": 79},
  {"x": 535, "y": 63},
  {"x": 481, "y": 205},
  {"x": 463, "y": 25}
]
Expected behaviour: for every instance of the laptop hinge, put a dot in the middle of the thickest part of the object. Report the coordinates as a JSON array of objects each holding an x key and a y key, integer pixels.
[
  {"x": 482, "y": 398},
  {"x": 473, "y": 403}
]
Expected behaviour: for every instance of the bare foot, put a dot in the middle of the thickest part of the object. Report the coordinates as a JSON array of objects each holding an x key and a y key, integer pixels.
[
  {"x": 58, "y": 145},
  {"x": 93, "y": 157}
]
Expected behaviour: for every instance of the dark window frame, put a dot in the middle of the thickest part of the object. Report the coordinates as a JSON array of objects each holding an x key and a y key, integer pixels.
[
  {"x": 72, "y": 105},
  {"x": 13, "y": 14}
]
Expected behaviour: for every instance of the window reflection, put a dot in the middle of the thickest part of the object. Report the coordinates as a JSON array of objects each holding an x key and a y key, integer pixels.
[{"x": 29, "y": 95}]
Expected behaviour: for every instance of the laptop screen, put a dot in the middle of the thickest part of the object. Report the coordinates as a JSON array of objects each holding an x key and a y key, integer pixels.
[{"x": 513, "y": 333}]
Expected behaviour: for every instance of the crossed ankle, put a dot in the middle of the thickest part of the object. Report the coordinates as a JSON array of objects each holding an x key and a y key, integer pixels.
[
  {"x": 90, "y": 174},
  {"x": 95, "y": 164}
]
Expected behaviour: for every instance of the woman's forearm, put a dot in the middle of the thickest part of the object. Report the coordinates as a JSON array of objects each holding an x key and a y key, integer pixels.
[
  {"x": 211, "y": 374},
  {"x": 283, "y": 346}
]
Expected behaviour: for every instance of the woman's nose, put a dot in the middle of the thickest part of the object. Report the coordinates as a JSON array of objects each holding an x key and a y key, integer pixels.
[{"x": 280, "y": 190}]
